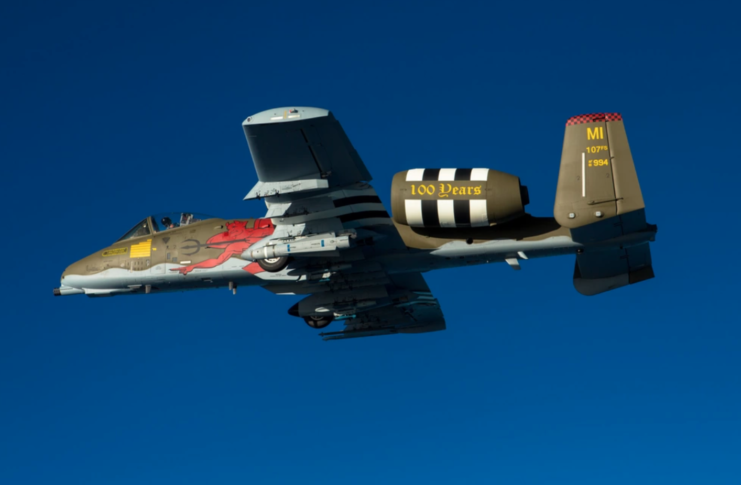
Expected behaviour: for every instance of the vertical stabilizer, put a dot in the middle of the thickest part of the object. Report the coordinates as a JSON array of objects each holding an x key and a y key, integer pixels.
[
  {"x": 597, "y": 179},
  {"x": 599, "y": 198}
]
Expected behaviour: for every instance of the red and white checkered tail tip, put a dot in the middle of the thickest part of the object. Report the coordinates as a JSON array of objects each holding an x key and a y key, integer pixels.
[{"x": 594, "y": 118}]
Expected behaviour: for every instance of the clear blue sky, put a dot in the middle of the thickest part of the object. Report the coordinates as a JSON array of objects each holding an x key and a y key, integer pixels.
[{"x": 113, "y": 111}]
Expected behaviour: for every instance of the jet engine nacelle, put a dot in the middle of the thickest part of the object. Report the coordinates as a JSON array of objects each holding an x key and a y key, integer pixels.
[{"x": 456, "y": 198}]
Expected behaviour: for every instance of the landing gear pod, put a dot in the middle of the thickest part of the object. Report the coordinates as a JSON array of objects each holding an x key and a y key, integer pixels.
[
  {"x": 314, "y": 321},
  {"x": 273, "y": 265},
  {"x": 456, "y": 198},
  {"x": 318, "y": 321}
]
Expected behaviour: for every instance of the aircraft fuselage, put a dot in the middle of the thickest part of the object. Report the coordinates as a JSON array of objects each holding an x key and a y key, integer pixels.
[{"x": 213, "y": 253}]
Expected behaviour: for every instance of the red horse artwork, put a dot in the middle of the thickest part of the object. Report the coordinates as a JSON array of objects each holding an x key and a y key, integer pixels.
[{"x": 234, "y": 241}]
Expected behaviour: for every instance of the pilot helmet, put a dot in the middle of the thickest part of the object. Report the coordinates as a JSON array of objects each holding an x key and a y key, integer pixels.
[{"x": 166, "y": 221}]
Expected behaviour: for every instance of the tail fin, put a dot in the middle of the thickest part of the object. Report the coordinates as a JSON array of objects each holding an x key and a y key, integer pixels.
[
  {"x": 602, "y": 271},
  {"x": 599, "y": 198}
]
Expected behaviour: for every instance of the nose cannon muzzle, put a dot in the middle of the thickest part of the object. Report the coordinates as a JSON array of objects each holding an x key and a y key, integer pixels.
[{"x": 66, "y": 290}]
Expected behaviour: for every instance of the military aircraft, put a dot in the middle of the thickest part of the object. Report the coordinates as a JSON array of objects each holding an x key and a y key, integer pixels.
[{"x": 327, "y": 235}]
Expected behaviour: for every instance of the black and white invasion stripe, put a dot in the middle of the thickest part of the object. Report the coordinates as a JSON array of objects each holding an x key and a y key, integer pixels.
[
  {"x": 358, "y": 208},
  {"x": 354, "y": 206},
  {"x": 448, "y": 175},
  {"x": 442, "y": 212}
]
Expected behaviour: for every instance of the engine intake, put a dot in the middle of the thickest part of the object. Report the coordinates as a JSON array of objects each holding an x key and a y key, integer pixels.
[{"x": 462, "y": 197}]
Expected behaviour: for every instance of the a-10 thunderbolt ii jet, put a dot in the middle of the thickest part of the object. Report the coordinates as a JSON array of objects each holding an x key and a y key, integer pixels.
[{"x": 326, "y": 233}]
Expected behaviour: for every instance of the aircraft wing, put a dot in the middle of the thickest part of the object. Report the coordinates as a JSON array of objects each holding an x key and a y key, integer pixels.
[
  {"x": 313, "y": 180},
  {"x": 305, "y": 147},
  {"x": 370, "y": 303},
  {"x": 346, "y": 250}
]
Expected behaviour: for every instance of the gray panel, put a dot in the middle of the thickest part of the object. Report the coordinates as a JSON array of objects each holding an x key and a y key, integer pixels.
[
  {"x": 633, "y": 221},
  {"x": 639, "y": 257},
  {"x": 280, "y": 153},
  {"x": 603, "y": 264},
  {"x": 602, "y": 271},
  {"x": 597, "y": 231},
  {"x": 302, "y": 143},
  {"x": 591, "y": 287},
  {"x": 411, "y": 281}
]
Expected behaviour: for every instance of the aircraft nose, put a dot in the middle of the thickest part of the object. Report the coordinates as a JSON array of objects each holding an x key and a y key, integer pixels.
[
  {"x": 66, "y": 273},
  {"x": 65, "y": 288}
]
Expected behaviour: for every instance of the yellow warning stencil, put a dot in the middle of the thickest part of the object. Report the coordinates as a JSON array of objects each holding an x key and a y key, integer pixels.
[
  {"x": 115, "y": 252},
  {"x": 141, "y": 250}
]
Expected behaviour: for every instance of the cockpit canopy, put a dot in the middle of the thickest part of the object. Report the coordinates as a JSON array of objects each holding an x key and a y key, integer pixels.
[{"x": 163, "y": 222}]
